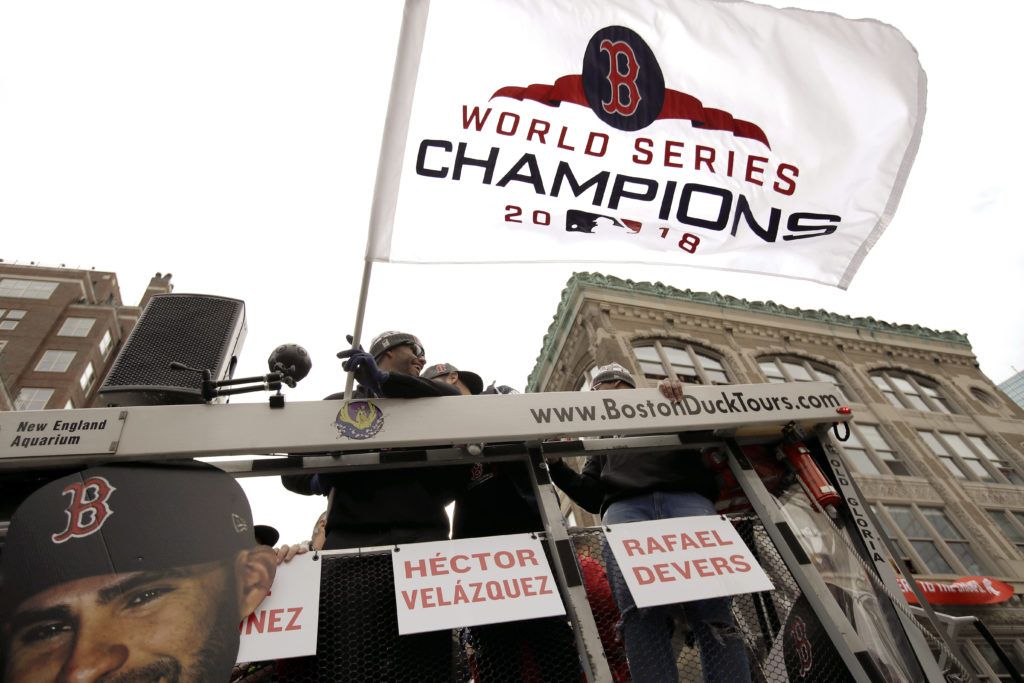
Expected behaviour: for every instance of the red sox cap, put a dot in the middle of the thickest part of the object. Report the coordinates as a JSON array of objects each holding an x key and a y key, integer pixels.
[
  {"x": 470, "y": 379},
  {"x": 385, "y": 341},
  {"x": 122, "y": 518}
]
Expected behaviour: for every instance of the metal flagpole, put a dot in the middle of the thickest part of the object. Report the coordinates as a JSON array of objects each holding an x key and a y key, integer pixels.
[
  {"x": 357, "y": 333},
  {"x": 396, "y": 128}
]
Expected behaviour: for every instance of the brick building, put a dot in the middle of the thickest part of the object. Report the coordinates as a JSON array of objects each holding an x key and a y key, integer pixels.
[
  {"x": 60, "y": 329},
  {"x": 938, "y": 449}
]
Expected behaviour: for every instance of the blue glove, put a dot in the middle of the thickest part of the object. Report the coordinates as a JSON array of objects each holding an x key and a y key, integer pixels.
[{"x": 364, "y": 367}]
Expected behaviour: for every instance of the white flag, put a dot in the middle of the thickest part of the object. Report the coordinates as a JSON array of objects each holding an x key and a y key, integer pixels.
[{"x": 706, "y": 133}]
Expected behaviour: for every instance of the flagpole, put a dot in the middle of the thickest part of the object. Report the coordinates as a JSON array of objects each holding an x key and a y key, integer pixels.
[
  {"x": 360, "y": 311},
  {"x": 396, "y": 127}
]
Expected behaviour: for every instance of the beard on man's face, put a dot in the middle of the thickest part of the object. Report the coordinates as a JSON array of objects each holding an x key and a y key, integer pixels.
[{"x": 215, "y": 659}]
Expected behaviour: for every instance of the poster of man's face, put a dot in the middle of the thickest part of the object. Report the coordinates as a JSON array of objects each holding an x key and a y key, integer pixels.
[{"x": 130, "y": 573}]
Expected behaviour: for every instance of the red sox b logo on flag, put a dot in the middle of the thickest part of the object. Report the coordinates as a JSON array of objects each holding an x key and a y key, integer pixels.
[
  {"x": 87, "y": 509},
  {"x": 622, "y": 81}
]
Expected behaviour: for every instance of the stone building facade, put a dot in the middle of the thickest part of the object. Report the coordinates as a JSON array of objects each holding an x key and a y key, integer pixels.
[{"x": 938, "y": 450}]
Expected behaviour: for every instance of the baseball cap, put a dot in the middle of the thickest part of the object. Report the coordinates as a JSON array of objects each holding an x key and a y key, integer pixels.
[
  {"x": 386, "y": 341},
  {"x": 470, "y": 379},
  {"x": 266, "y": 535},
  {"x": 499, "y": 389},
  {"x": 120, "y": 519},
  {"x": 612, "y": 372}
]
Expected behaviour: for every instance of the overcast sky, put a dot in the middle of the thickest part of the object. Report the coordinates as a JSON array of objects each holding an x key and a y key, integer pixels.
[{"x": 234, "y": 144}]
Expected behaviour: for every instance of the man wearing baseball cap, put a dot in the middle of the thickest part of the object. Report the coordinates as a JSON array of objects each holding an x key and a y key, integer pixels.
[
  {"x": 130, "y": 572},
  {"x": 634, "y": 488},
  {"x": 385, "y": 507},
  {"x": 468, "y": 383}
]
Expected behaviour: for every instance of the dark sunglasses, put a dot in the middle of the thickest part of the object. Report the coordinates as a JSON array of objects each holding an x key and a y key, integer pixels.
[{"x": 417, "y": 350}]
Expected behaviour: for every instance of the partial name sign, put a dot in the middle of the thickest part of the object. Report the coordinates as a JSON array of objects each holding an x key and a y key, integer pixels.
[
  {"x": 469, "y": 582},
  {"x": 667, "y": 561},
  {"x": 284, "y": 625}
]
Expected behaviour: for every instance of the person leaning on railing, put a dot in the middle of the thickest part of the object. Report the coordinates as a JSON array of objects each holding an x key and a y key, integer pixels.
[
  {"x": 634, "y": 488},
  {"x": 371, "y": 508}
]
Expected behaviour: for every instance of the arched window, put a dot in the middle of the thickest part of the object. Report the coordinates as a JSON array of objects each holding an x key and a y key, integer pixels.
[
  {"x": 985, "y": 397},
  {"x": 791, "y": 369},
  {"x": 689, "y": 364},
  {"x": 584, "y": 381},
  {"x": 904, "y": 390}
]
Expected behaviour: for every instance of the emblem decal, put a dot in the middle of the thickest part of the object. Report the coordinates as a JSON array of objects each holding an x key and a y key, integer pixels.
[{"x": 359, "y": 420}]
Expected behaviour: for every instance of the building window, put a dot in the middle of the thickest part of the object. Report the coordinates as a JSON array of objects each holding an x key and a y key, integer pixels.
[
  {"x": 869, "y": 453},
  {"x": 904, "y": 390},
  {"x": 55, "y": 361},
  {"x": 992, "y": 661},
  {"x": 778, "y": 369},
  {"x": 985, "y": 398},
  {"x": 105, "y": 344},
  {"x": 970, "y": 457},
  {"x": 70, "y": 405},
  {"x": 9, "y": 318},
  {"x": 26, "y": 289},
  {"x": 686, "y": 363},
  {"x": 31, "y": 398},
  {"x": 76, "y": 327},
  {"x": 85, "y": 381},
  {"x": 1011, "y": 523},
  {"x": 927, "y": 540}
]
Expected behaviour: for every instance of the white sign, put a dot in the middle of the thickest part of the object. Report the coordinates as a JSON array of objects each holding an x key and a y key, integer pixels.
[
  {"x": 723, "y": 135},
  {"x": 79, "y": 432},
  {"x": 284, "y": 625},
  {"x": 666, "y": 561},
  {"x": 448, "y": 584}
]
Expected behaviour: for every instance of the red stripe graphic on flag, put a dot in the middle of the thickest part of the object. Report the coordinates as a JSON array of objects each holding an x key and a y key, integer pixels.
[{"x": 678, "y": 105}]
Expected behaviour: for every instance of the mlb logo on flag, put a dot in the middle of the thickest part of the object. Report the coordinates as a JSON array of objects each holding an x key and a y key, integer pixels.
[{"x": 723, "y": 135}]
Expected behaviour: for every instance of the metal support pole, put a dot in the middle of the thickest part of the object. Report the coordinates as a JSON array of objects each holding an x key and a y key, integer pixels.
[
  {"x": 567, "y": 572},
  {"x": 845, "y": 639},
  {"x": 867, "y": 527}
]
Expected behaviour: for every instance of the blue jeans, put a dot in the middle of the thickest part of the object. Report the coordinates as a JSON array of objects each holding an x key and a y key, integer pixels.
[{"x": 647, "y": 633}]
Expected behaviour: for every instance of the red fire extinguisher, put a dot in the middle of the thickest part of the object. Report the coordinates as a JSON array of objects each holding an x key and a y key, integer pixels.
[{"x": 793, "y": 451}]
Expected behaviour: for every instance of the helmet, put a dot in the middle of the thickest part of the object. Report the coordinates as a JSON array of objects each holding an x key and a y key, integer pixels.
[{"x": 610, "y": 373}]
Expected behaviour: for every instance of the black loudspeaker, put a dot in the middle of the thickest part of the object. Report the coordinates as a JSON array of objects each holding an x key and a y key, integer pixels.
[{"x": 200, "y": 331}]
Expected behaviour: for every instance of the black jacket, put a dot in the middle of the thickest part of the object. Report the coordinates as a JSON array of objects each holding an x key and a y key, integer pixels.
[
  {"x": 498, "y": 500},
  {"x": 383, "y": 507},
  {"x": 606, "y": 479}
]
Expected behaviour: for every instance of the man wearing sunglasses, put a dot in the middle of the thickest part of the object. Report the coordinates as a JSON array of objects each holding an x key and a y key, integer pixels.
[{"x": 371, "y": 508}]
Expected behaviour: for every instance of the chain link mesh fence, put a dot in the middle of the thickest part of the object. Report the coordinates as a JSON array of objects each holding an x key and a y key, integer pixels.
[{"x": 772, "y": 636}]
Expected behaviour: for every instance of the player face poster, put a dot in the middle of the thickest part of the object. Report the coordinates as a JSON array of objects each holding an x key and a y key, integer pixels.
[{"x": 130, "y": 572}]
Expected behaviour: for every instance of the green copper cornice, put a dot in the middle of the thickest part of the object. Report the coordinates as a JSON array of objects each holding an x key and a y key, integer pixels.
[{"x": 659, "y": 290}]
